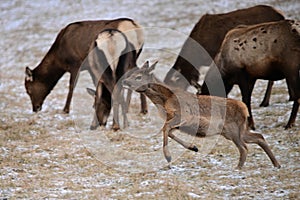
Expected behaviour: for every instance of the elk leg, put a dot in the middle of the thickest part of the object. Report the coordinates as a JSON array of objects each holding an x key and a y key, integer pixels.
[
  {"x": 116, "y": 103},
  {"x": 73, "y": 80},
  {"x": 128, "y": 99},
  {"x": 144, "y": 109},
  {"x": 243, "y": 151},
  {"x": 267, "y": 96},
  {"x": 256, "y": 138},
  {"x": 293, "y": 116},
  {"x": 166, "y": 151},
  {"x": 186, "y": 145},
  {"x": 124, "y": 109},
  {"x": 246, "y": 87}
]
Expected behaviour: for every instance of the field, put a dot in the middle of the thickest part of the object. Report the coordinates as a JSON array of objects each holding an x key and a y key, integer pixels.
[{"x": 52, "y": 155}]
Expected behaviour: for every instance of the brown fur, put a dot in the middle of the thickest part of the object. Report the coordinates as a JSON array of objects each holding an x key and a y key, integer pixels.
[
  {"x": 197, "y": 115},
  {"x": 265, "y": 51},
  {"x": 209, "y": 33}
]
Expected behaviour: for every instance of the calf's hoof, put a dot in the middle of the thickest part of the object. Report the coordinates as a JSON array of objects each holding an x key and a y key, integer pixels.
[
  {"x": 168, "y": 158},
  {"x": 194, "y": 148},
  {"x": 144, "y": 112}
]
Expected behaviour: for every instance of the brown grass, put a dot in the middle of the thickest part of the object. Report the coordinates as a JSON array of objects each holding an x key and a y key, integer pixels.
[{"x": 48, "y": 155}]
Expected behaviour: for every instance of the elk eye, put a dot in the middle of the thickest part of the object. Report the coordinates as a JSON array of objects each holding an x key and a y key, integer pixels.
[{"x": 138, "y": 78}]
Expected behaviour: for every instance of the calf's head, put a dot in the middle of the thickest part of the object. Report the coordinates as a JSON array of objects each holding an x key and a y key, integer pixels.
[
  {"x": 139, "y": 79},
  {"x": 36, "y": 90}
]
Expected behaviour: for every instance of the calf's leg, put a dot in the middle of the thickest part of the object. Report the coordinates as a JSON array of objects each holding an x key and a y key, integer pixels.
[
  {"x": 186, "y": 145},
  {"x": 144, "y": 107},
  {"x": 166, "y": 129},
  {"x": 256, "y": 138},
  {"x": 243, "y": 151}
]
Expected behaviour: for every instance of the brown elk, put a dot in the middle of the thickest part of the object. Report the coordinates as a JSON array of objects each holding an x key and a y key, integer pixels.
[
  {"x": 269, "y": 51},
  {"x": 197, "y": 115},
  {"x": 68, "y": 54},
  {"x": 206, "y": 38},
  {"x": 112, "y": 55}
]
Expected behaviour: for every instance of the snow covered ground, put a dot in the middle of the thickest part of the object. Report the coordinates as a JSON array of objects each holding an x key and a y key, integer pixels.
[{"x": 51, "y": 155}]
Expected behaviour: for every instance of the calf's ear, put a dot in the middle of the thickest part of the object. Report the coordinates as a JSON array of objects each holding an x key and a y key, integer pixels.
[
  {"x": 28, "y": 74},
  {"x": 91, "y": 92},
  {"x": 146, "y": 65},
  {"x": 152, "y": 67}
]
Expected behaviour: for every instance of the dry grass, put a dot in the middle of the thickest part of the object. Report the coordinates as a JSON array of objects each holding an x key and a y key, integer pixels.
[{"x": 51, "y": 155}]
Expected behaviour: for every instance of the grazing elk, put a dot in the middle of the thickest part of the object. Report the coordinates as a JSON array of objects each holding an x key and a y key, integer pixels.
[
  {"x": 192, "y": 114},
  {"x": 206, "y": 38},
  {"x": 112, "y": 55},
  {"x": 68, "y": 54},
  {"x": 269, "y": 51}
]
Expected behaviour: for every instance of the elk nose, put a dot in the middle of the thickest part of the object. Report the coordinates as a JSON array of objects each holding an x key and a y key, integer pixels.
[
  {"x": 125, "y": 83},
  {"x": 37, "y": 108}
]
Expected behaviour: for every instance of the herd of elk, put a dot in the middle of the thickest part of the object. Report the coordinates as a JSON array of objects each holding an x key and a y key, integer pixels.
[{"x": 240, "y": 46}]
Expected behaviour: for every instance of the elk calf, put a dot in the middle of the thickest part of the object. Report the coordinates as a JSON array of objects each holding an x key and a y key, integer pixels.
[{"x": 197, "y": 115}]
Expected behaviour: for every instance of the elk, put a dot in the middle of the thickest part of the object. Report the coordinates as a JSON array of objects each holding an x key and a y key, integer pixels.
[
  {"x": 205, "y": 40},
  {"x": 68, "y": 53},
  {"x": 112, "y": 55},
  {"x": 269, "y": 51},
  {"x": 197, "y": 115}
]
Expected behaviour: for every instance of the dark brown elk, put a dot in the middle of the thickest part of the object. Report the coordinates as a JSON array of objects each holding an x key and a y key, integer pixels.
[
  {"x": 206, "y": 38},
  {"x": 193, "y": 114},
  {"x": 68, "y": 54},
  {"x": 112, "y": 55},
  {"x": 269, "y": 51}
]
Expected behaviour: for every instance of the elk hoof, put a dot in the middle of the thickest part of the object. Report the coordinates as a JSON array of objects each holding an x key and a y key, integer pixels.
[
  {"x": 288, "y": 126},
  {"x": 168, "y": 158},
  {"x": 144, "y": 112},
  {"x": 66, "y": 110},
  {"x": 194, "y": 148},
  {"x": 115, "y": 128},
  {"x": 264, "y": 104},
  {"x": 278, "y": 166},
  {"x": 93, "y": 127}
]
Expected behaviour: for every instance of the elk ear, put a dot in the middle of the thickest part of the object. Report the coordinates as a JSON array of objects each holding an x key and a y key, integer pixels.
[
  {"x": 146, "y": 65},
  {"x": 152, "y": 67},
  {"x": 91, "y": 92},
  {"x": 28, "y": 74}
]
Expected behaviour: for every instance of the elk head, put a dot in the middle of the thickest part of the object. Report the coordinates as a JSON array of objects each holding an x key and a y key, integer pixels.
[
  {"x": 36, "y": 90},
  {"x": 139, "y": 79}
]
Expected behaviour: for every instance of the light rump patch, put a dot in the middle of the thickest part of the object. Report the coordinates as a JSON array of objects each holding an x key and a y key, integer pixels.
[
  {"x": 133, "y": 32},
  {"x": 112, "y": 43}
]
